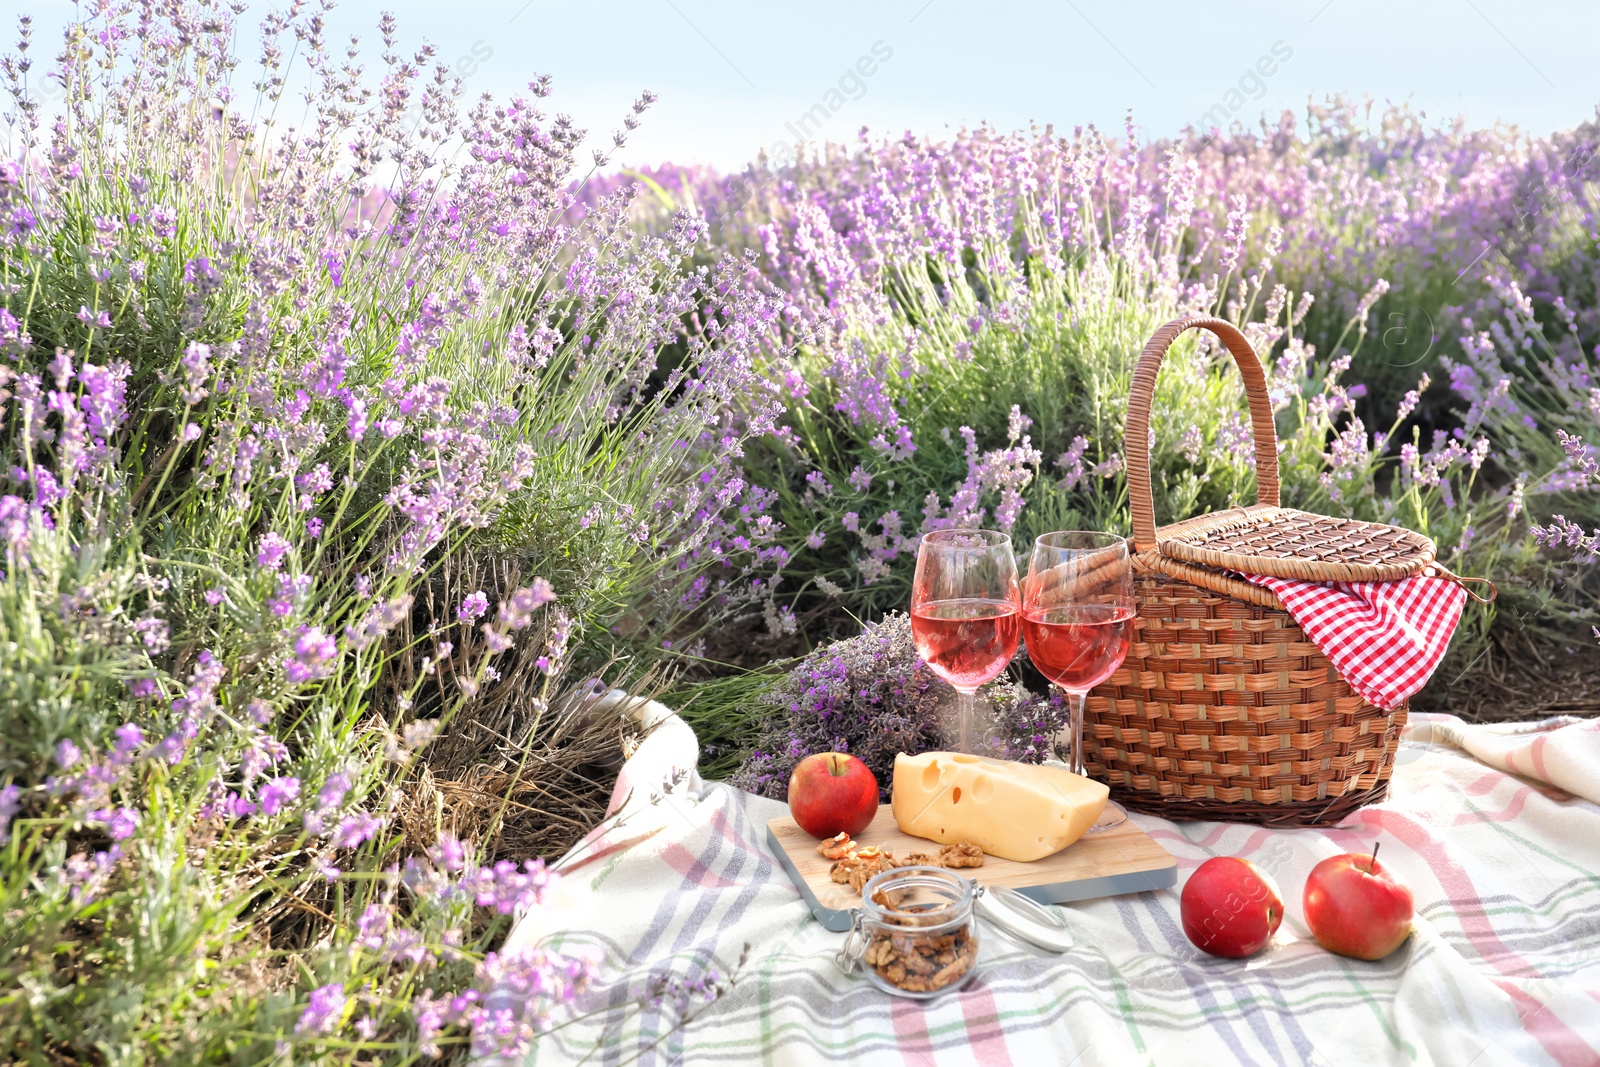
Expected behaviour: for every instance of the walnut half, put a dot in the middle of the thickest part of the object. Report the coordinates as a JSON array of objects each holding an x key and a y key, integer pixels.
[
  {"x": 962, "y": 854},
  {"x": 836, "y": 847},
  {"x": 858, "y": 867}
]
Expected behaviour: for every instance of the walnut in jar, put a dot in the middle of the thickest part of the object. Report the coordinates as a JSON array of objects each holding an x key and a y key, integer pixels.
[
  {"x": 920, "y": 963},
  {"x": 919, "y": 933}
]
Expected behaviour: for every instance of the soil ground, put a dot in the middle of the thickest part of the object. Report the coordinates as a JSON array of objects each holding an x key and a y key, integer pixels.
[{"x": 1521, "y": 679}]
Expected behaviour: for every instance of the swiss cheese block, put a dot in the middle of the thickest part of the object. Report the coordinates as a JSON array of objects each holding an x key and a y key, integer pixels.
[{"x": 1017, "y": 811}]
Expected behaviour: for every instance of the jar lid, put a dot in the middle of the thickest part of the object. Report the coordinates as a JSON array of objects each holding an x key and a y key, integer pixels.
[{"x": 1024, "y": 918}]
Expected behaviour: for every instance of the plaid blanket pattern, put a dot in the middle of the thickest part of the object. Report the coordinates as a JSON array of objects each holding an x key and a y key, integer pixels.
[
  {"x": 1504, "y": 966},
  {"x": 1386, "y": 638}
]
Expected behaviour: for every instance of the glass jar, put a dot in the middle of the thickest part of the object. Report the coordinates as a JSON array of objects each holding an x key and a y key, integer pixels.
[{"x": 916, "y": 933}]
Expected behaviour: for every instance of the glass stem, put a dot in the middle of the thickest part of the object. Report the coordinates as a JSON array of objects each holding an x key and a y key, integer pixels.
[
  {"x": 966, "y": 711},
  {"x": 1075, "y": 703}
]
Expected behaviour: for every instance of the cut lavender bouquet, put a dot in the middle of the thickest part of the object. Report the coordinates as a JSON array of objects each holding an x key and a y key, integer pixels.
[{"x": 872, "y": 696}]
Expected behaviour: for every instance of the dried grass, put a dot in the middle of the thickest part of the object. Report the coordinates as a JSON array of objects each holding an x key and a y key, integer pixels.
[{"x": 525, "y": 768}]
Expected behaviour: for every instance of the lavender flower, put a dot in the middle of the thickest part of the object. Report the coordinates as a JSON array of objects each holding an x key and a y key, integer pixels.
[
  {"x": 379, "y": 620},
  {"x": 154, "y": 633},
  {"x": 272, "y": 550},
  {"x": 86, "y": 876},
  {"x": 516, "y": 611},
  {"x": 277, "y": 794},
  {"x": 1233, "y": 238},
  {"x": 315, "y": 655},
  {"x": 196, "y": 363},
  {"x": 329, "y": 799},
  {"x": 474, "y": 605},
  {"x": 416, "y": 735},
  {"x": 1562, "y": 533},
  {"x": 356, "y": 828},
  {"x": 13, "y": 340},
  {"x": 448, "y": 854},
  {"x": 325, "y": 1012},
  {"x": 120, "y": 823},
  {"x": 10, "y": 802},
  {"x": 506, "y": 887},
  {"x": 199, "y": 697},
  {"x": 1584, "y": 468},
  {"x": 130, "y": 739},
  {"x": 100, "y": 319},
  {"x": 535, "y": 986}
]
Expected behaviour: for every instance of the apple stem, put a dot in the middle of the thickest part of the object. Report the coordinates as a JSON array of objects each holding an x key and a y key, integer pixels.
[{"x": 1373, "y": 862}]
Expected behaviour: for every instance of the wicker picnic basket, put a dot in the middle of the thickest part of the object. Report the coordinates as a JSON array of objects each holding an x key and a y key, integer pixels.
[{"x": 1223, "y": 709}]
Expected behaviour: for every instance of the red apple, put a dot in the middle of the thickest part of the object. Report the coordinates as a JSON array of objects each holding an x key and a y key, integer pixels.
[
  {"x": 830, "y": 793},
  {"x": 1355, "y": 907},
  {"x": 1230, "y": 907}
]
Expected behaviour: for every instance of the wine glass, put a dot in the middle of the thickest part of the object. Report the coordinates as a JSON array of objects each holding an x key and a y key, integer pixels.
[
  {"x": 964, "y": 614},
  {"x": 1077, "y": 619}
]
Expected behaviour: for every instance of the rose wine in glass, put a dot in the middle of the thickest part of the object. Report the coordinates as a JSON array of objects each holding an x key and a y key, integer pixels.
[
  {"x": 965, "y": 615},
  {"x": 1077, "y": 619},
  {"x": 1078, "y": 648},
  {"x": 966, "y": 642}
]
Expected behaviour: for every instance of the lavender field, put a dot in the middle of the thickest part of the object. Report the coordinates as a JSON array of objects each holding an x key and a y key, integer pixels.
[{"x": 356, "y": 446}]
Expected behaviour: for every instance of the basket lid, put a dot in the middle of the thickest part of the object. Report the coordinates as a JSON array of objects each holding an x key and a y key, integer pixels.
[{"x": 1286, "y": 543}]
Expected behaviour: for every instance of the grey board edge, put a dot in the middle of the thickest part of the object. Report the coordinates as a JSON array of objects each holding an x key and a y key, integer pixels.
[{"x": 1109, "y": 885}]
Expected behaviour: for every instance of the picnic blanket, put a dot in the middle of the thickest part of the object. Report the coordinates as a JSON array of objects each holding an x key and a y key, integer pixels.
[{"x": 1481, "y": 822}]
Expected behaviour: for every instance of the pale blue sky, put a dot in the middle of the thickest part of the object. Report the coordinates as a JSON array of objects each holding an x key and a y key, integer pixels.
[{"x": 732, "y": 75}]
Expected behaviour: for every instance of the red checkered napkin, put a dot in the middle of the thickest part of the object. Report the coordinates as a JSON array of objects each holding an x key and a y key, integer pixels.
[{"x": 1386, "y": 638}]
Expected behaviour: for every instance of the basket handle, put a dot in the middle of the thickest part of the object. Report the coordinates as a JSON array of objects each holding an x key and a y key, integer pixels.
[{"x": 1137, "y": 446}]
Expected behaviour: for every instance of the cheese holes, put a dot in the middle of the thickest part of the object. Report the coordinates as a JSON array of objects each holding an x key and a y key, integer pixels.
[
  {"x": 955, "y": 795},
  {"x": 982, "y": 788},
  {"x": 962, "y": 757},
  {"x": 930, "y": 777}
]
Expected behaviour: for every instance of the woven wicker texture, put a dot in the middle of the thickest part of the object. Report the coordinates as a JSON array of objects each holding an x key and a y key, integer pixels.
[
  {"x": 1264, "y": 538},
  {"x": 1206, "y": 578},
  {"x": 1296, "y": 544},
  {"x": 1223, "y": 710}
]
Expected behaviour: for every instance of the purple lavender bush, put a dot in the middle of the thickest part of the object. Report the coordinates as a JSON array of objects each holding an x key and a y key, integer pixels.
[
  {"x": 268, "y": 392},
  {"x": 1341, "y": 196},
  {"x": 873, "y": 697},
  {"x": 967, "y": 312},
  {"x": 964, "y": 364}
]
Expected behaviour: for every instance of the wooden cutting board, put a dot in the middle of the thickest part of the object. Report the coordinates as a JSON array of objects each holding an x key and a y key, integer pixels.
[{"x": 1123, "y": 859}]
